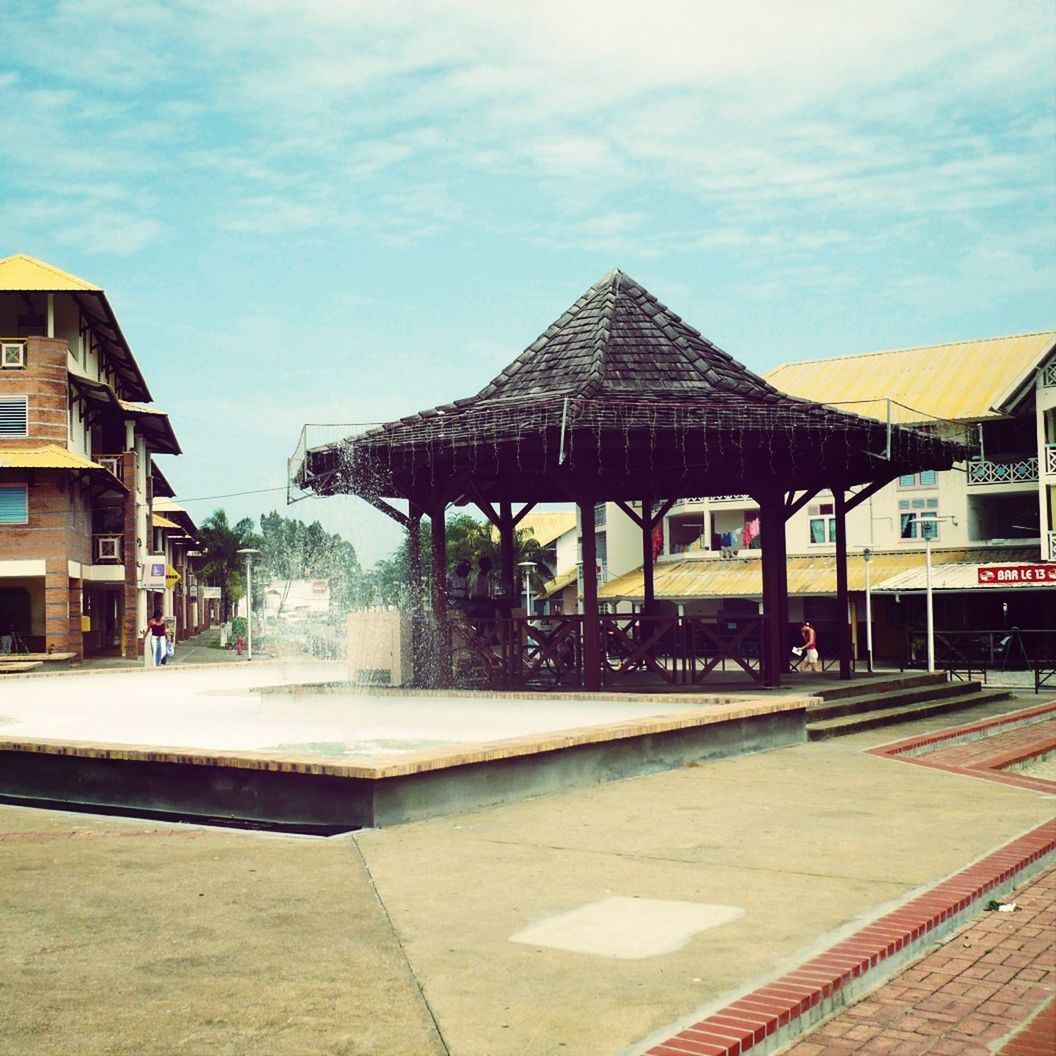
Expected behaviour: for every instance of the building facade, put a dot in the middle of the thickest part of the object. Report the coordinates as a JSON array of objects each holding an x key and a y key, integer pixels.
[{"x": 81, "y": 560}]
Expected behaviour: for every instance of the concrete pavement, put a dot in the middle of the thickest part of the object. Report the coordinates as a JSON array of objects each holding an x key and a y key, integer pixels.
[{"x": 123, "y": 936}]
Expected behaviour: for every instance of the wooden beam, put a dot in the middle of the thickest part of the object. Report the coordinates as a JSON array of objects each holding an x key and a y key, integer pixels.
[
  {"x": 591, "y": 628},
  {"x": 858, "y": 497},
  {"x": 842, "y": 607},
  {"x": 390, "y": 511},
  {"x": 795, "y": 505}
]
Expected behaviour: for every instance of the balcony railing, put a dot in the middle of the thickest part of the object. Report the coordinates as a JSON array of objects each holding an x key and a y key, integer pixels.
[
  {"x": 1050, "y": 460},
  {"x": 1013, "y": 471},
  {"x": 1051, "y": 555},
  {"x": 713, "y": 498},
  {"x": 110, "y": 462},
  {"x": 1048, "y": 375}
]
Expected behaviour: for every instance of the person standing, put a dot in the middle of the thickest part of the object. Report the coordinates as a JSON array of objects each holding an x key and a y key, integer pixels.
[
  {"x": 810, "y": 648},
  {"x": 7, "y": 632},
  {"x": 158, "y": 632}
]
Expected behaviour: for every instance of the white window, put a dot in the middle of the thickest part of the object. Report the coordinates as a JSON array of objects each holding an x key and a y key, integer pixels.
[
  {"x": 921, "y": 524},
  {"x": 14, "y": 504},
  {"x": 822, "y": 523},
  {"x": 14, "y": 415}
]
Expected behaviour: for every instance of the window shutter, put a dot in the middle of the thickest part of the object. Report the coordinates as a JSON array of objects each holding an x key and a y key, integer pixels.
[
  {"x": 14, "y": 506},
  {"x": 14, "y": 417}
]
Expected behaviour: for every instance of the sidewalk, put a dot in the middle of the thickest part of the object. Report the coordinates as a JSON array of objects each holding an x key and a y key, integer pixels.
[
  {"x": 971, "y": 997},
  {"x": 129, "y": 937}
]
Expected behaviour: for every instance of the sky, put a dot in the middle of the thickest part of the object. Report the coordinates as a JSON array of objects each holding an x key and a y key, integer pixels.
[{"x": 306, "y": 211}]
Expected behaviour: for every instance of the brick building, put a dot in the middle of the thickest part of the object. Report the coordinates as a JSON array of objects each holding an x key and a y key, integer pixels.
[{"x": 77, "y": 473}]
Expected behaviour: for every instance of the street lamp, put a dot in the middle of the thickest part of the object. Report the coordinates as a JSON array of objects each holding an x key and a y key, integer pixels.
[
  {"x": 528, "y": 566},
  {"x": 248, "y": 553},
  {"x": 928, "y": 533}
]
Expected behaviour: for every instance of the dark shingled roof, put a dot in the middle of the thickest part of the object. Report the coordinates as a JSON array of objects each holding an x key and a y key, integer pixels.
[
  {"x": 620, "y": 395},
  {"x": 619, "y": 340}
]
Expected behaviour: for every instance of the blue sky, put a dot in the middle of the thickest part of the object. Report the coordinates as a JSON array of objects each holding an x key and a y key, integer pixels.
[{"x": 309, "y": 211}]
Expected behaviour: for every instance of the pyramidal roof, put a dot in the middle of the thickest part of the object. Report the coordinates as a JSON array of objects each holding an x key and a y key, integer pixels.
[
  {"x": 619, "y": 341},
  {"x": 23, "y": 272}
]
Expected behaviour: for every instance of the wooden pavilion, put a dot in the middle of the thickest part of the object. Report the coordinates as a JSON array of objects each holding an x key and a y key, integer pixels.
[{"x": 620, "y": 400}]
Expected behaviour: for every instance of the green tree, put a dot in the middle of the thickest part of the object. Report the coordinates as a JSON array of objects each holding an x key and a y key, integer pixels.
[
  {"x": 389, "y": 581},
  {"x": 292, "y": 550},
  {"x": 221, "y": 541}
]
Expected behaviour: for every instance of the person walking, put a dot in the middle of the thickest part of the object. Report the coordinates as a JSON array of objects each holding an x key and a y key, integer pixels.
[
  {"x": 810, "y": 648},
  {"x": 158, "y": 633},
  {"x": 7, "y": 633}
]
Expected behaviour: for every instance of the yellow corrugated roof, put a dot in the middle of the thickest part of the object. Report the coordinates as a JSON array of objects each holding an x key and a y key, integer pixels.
[
  {"x": 158, "y": 521},
  {"x": 558, "y": 583},
  {"x": 50, "y": 456},
  {"x": 168, "y": 506},
  {"x": 962, "y": 381},
  {"x": 544, "y": 525},
  {"x": 807, "y": 574},
  {"x": 22, "y": 272}
]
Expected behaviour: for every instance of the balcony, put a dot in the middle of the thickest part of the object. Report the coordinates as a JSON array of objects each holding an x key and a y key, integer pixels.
[
  {"x": 1050, "y": 460},
  {"x": 1051, "y": 555},
  {"x": 112, "y": 463},
  {"x": 1008, "y": 471}
]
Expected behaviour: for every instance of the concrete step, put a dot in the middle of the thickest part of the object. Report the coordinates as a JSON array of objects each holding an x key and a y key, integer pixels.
[
  {"x": 893, "y": 698},
  {"x": 868, "y": 720},
  {"x": 882, "y": 683}
]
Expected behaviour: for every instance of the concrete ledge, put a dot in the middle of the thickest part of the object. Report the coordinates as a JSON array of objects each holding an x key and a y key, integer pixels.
[{"x": 313, "y": 792}]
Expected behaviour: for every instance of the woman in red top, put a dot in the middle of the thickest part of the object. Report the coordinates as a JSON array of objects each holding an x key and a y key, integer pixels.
[{"x": 158, "y": 632}]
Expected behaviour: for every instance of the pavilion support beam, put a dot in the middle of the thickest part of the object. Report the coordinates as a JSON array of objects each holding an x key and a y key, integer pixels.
[
  {"x": 417, "y": 586},
  {"x": 591, "y": 623},
  {"x": 772, "y": 532},
  {"x": 506, "y": 528},
  {"x": 648, "y": 590},
  {"x": 842, "y": 604},
  {"x": 440, "y": 653}
]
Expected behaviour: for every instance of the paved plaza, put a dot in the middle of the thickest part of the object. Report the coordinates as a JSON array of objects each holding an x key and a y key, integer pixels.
[{"x": 125, "y": 936}]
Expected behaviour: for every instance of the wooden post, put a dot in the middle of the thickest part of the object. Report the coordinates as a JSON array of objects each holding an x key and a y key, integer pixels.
[
  {"x": 591, "y": 635},
  {"x": 414, "y": 571},
  {"x": 772, "y": 532},
  {"x": 843, "y": 643},
  {"x": 506, "y": 548},
  {"x": 440, "y": 651},
  {"x": 438, "y": 533},
  {"x": 647, "y": 556}
]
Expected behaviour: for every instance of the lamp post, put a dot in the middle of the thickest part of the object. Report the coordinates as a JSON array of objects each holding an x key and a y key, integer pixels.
[
  {"x": 248, "y": 553},
  {"x": 929, "y": 532},
  {"x": 867, "y": 554},
  {"x": 527, "y": 566}
]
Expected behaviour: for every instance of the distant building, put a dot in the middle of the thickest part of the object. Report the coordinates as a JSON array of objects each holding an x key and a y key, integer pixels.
[{"x": 82, "y": 558}]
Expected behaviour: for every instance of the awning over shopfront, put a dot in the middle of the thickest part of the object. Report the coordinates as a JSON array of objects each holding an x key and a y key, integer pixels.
[
  {"x": 741, "y": 577},
  {"x": 961, "y": 576}
]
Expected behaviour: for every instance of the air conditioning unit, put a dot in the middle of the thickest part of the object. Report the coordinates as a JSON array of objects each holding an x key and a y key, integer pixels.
[
  {"x": 112, "y": 463},
  {"x": 12, "y": 355},
  {"x": 108, "y": 548}
]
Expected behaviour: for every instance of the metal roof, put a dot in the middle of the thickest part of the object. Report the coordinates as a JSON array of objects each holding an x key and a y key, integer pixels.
[
  {"x": 961, "y": 381},
  {"x": 27, "y": 274},
  {"x": 157, "y": 521},
  {"x": 21, "y": 273},
  {"x": 544, "y": 526},
  {"x": 741, "y": 577},
  {"x": 50, "y": 456},
  {"x": 958, "y": 576}
]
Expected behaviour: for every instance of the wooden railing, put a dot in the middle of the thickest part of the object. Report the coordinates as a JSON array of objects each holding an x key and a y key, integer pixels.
[{"x": 669, "y": 650}]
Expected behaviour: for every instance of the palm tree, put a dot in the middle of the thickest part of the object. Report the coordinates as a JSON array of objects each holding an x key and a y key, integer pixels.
[{"x": 221, "y": 542}]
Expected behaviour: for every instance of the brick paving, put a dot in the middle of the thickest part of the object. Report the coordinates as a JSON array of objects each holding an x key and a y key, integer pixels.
[
  {"x": 981, "y": 753},
  {"x": 964, "y": 998}
]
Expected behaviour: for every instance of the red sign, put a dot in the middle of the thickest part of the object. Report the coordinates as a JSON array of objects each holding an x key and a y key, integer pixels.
[{"x": 1014, "y": 575}]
